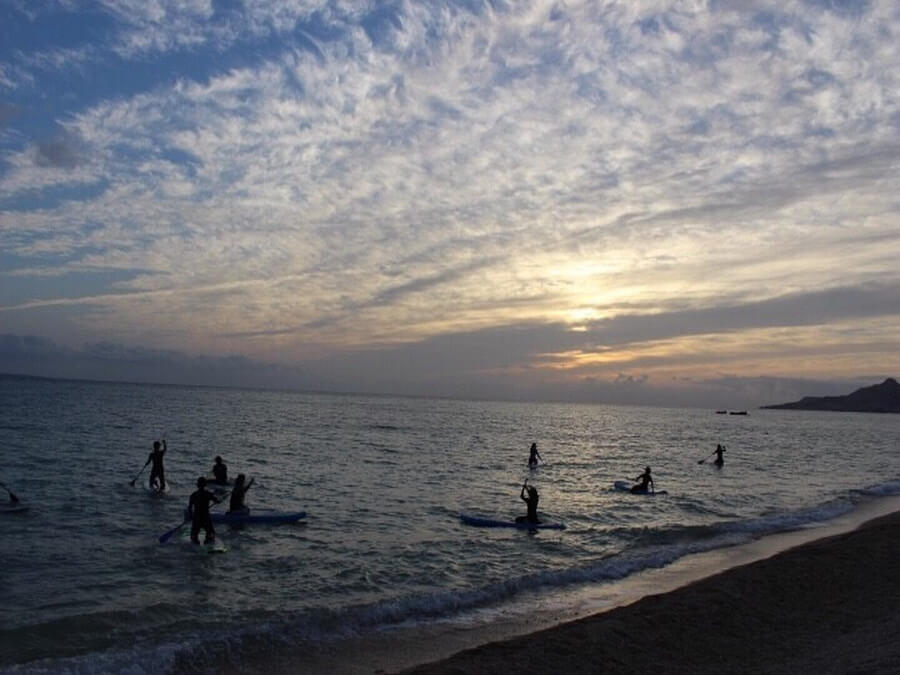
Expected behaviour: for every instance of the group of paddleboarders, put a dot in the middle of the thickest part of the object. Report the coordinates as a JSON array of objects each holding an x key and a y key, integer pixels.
[
  {"x": 529, "y": 493},
  {"x": 646, "y": 480},
  {"x": 201, "y": 499}
]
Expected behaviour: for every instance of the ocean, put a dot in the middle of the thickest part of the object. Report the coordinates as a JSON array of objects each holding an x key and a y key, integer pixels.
[{"x": 382, "y": 558}]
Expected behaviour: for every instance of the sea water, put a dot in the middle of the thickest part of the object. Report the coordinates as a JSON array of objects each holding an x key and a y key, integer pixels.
[{"x": 87, "y": 587}]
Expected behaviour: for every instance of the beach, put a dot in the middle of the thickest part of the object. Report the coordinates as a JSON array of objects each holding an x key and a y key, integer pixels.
[{"x": 828, "y": 606}]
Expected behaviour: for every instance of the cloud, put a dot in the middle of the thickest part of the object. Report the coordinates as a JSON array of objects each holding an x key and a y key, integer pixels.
[
  {"x": 63, "y": 152},
  {"x": 110, "y": 361},
  {"x": 296, "y": 176}
]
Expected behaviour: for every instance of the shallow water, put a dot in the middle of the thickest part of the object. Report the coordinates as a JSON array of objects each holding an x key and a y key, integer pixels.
[{"x": 87, "y": 586}]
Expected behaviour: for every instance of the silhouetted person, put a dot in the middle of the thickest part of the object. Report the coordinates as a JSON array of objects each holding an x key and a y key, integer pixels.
[
  {"x": 534, "y": 456},
  {"x": 198, "y": 512},
  {"x": 220, "y": 471},
  {"x": 720, "y": 450},
  {"x": 157, "y": 471},
  {"x": 531, "y": 500},
  {"x": 646, "y": 482},
  {"x": 236, "y": 505}
]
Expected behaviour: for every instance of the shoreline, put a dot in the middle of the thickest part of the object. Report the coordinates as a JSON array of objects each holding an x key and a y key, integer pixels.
[
  {"x": 814, "y": 601},
  {"x": 434, "y": 647}
]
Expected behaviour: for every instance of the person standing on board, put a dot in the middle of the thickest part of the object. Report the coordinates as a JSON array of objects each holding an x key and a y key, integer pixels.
[
  {"x": 646, "y": 483},
  {"x": 720, "y": 450},
  {"x": 157, "y": 471},
  {"x": 531, "y": 501},
  {"x": 198, "y": 513},
  {"x": 534, "y": 456},
  {"x": 236, "y": 505},
  {"x": 220, "y": 471}
]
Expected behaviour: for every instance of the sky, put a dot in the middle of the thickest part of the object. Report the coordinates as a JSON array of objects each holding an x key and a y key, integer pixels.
[{"x": 655, "y": 202}]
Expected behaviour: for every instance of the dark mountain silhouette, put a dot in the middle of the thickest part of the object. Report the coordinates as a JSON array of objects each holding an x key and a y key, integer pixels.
[{"x": 883, "y": 398}]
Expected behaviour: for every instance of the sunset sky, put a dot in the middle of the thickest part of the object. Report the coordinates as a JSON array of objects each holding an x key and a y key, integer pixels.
[{"x": 670, "y": 203}]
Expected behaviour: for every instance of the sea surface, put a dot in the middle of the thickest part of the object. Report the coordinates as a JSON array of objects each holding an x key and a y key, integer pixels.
[{"x": 86, "y": 586}]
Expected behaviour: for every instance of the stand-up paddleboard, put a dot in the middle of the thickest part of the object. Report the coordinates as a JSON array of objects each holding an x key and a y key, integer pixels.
[
  {"x": 154, "y": 492},
  {"x": 268, "y": 517},
  {"x": 215, "y": 546},
  {"x": 625, "y": 486},
  {"x": 477, "y": 521}
]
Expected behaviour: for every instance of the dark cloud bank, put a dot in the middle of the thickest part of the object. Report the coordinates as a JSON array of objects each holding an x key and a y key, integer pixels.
[
  {"x": 425, "y": 370},
  {"x": 498, "y": 363}
]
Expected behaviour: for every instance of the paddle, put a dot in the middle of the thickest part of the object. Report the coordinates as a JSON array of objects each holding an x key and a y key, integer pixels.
[
  {"x": 168, "y": 535},
  {"x": 134, "y": 480},
  {"x": 706, "y": 458},
  {"x": 12, "y": 497}
]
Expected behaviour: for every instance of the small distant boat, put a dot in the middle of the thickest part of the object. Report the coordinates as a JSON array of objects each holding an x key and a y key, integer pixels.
[{"x": 738, "y": 412}]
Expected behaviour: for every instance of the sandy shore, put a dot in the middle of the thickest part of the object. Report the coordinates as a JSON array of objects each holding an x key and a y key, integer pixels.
[{"x": 830, "y": 606}]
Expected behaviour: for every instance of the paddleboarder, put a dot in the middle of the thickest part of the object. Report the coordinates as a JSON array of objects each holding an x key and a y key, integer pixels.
[
  {"x": 236, "y": 505},
  {"x": 646, "y": 483},
  {"x": 720, "y": 450},
  {"x": 534, "y": 456},
  {"x": 198, "y": 513},
  {"x": 220, "y": 471},
  {"x": 531, "y": 500},
  {"x": 158, "y": 470}
]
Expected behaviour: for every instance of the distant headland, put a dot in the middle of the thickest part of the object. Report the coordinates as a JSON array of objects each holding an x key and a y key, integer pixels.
[{"x": 880, "y": 398}]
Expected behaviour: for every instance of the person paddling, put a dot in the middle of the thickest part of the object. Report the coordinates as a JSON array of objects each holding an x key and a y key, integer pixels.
[
  {"x": 534, "y": 456},
  {"x": 720, "y": 450},
  {"x": 531, "y": 500},
  {"x": 646, "y": 483},
  {"x": 220, "y": 471},
  {"x": 236, "y": 505},
  {"x": 158, "y": 470},
  {"x": 198, "y": 513}
]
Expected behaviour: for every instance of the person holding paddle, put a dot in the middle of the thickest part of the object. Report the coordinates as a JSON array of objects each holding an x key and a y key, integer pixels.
[
  {"x": 157, "y": 471},
  {"x": 531, "y": 502},
  {"x": 720, "y": 450},
  {"x": 534, "y": 456},
  {"x": 198, "y": 513}
]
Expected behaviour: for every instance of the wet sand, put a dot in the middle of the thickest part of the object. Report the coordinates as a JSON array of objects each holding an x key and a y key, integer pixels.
[{"x": 829, "y": 606}]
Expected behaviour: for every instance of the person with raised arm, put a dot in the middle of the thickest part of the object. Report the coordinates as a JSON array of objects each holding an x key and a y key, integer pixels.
[
  {"x": 236, "y": 505},
  {"x": 531, "y": 501}
]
